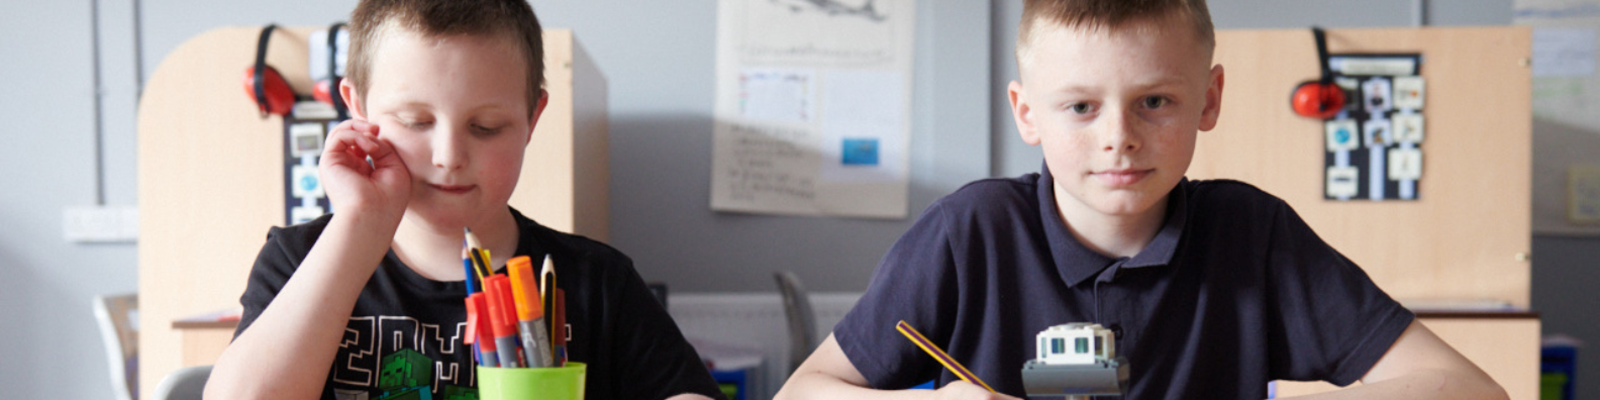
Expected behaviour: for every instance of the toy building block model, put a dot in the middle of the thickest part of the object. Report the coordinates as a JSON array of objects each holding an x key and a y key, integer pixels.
[{"x": 1076, "y": 359}]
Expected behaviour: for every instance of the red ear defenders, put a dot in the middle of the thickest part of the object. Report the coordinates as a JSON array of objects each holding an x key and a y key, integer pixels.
[
  {"x": 327, "y": 90},
  {"x": 1318, "y": 100},
  {"x": 264, "y": 84},
  {"x": 1321, "y": 99},
  {"x": 272, "y": 93}
]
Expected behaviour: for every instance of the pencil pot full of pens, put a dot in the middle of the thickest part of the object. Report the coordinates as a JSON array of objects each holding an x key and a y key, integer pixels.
[
  {"x": 506, "y": 328},
  {"x": 552, "y": 383}
]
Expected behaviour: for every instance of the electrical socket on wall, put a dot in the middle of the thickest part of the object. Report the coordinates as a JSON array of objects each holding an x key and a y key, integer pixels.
[{"x": 100, "y": 224}]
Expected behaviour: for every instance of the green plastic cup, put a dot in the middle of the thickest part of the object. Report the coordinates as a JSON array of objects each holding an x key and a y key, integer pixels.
[{"x": 564, "y": 383}]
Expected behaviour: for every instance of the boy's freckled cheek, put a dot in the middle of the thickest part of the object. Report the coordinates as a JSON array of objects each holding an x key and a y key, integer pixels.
[{"x": 1081, "y": 138}]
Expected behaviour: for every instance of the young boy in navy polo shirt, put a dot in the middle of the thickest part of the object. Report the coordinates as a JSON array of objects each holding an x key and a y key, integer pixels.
[{"x": 1213, "y": 288}]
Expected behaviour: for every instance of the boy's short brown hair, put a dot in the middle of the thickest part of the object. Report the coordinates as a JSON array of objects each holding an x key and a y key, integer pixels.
[
  {"x": 1107, "y": 14},
  {"x": 373, "y": 19}
]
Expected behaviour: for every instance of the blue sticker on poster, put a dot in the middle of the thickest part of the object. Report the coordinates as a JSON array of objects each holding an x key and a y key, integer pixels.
[
  {"x": 859, "y": 152},
  {"x": 308, "y": 183}
]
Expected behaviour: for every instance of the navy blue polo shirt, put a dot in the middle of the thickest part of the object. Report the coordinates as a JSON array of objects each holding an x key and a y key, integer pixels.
[{"x": 1234, "y": 291}]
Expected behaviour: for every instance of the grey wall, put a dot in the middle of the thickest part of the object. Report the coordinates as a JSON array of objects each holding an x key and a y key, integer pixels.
[
  {"x": 1564, "y": 281},
  {"x": 47, "y": 333},
  {"x": 657, "y": 57}
]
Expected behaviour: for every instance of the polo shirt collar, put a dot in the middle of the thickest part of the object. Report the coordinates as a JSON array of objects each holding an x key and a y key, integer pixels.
[{"x": 1077, "y": 263}]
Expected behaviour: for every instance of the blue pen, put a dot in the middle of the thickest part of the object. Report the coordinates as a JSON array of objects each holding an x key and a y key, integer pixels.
[{"x": 467, "y": 265}]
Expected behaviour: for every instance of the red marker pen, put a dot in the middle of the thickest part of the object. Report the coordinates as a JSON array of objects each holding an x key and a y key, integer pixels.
[
  {"x": 559, "y": 297},
  {"x": 478, "y": 329},
  {"x": 503, "y": 320}
]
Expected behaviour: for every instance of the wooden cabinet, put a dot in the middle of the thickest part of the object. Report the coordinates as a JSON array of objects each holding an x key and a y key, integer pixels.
[{"x": 211, "y": 175}]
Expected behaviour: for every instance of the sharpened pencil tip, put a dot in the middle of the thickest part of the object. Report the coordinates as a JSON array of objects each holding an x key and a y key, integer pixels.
[{"x": 472, "y": 240}]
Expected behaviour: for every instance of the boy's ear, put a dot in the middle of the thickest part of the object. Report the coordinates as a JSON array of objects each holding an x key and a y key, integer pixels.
[
  {"x": 1022, "y": 113},
  {"x": 1209, "y": 115},
  {"x": 347, "y": 92},
  {"x": 538, "y": 109}
]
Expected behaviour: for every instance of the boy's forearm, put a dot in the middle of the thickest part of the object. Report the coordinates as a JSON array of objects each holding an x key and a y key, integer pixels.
[
  {"x": 689, "y": 396},
  {"x": 1418, "y": 365},
  {"x": 817, "y": 385},
  {"x": 287, "y": 351},
  {"x": 828, "y": 374},
  {"x": 1421, "y": 384},
  {"x": 822, "y": 386}
]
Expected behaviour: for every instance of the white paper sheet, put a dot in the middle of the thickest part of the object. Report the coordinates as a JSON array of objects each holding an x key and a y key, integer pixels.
[
  {"x": 841, "y": 33},
  {"x": 776, "y": 95},
  {"x": 861, "y": 126},
  {"x": 1566, "y": 52},
  {"x": 768, "y": 164},
  {"x": 813, "y": 107}
]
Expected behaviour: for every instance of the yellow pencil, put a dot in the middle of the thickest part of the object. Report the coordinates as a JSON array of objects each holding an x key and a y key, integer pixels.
[
  {"x": 488, "y": 263},
  {"x": 480, "y": 255},
  {"x": 472, "y": 265},
  {"x": 547, "y": 278},
  {"x": 933, "y": 350}
]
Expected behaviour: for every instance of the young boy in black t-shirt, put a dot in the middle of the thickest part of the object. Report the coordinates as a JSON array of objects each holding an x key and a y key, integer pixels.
[
  {"x": 369, "y": 302},
  {"x": 1212, "y": 289}
]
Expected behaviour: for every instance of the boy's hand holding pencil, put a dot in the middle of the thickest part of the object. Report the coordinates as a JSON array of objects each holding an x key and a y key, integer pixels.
[
  {"x": 968, "y": 391},
  {"x": 353, "y": 185},
  {"x": 970, "y": 387}
]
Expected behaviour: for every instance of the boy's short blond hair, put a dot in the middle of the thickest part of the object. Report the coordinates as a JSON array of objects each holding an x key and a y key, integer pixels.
[
  {"x": 373, "y": 20},
  {"x": 1038, "y": 15}
]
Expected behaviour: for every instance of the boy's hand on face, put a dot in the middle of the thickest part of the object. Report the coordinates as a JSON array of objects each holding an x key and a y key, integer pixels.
[
  {"x": 382, "y": 187},
  {"x": 962, "y": 390}
]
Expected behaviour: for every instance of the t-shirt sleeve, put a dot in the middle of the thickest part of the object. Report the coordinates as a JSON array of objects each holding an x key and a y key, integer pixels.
[
  {"x": 915, "y": 282},
  {"x": 271, "y": 271},
  {"x": 654, "y": 359},
  {"x": 1329, "y": 320}
]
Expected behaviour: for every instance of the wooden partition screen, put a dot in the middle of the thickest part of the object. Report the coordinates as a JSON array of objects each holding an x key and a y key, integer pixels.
[
  {"x": 1468, "y": 234},
  {"x": 1467, "y": 237}
]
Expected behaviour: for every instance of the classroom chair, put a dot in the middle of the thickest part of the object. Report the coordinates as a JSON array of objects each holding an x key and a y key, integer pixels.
[
  {"x": 188, "y": 383},
  {"x": 802, "y": 321},
  {"x": 117, "y": 316}
]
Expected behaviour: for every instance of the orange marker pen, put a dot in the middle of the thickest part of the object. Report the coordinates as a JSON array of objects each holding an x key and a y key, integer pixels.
[{"x": 530, "y": 312}]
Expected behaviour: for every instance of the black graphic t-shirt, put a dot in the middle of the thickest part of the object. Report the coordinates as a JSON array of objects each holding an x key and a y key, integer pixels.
[{"x": 403, "y": 339}]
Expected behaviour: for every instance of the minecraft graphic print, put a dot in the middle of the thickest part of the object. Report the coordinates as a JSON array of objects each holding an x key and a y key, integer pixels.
[{"x": 398, "y": 357}]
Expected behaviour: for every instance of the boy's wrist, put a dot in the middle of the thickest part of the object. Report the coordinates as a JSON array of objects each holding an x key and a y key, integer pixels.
[{"x": 368, "y": 223}]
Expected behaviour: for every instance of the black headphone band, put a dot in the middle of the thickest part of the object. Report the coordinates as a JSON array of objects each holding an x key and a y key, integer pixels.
[
  {"x": 1322, "y": 54},
  {"x": 257, "y": 78},
  {"x": 333, "y": 68}
]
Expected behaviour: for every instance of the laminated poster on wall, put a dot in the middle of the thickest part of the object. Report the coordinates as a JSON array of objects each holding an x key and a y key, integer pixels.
[
  {"x": 1374, "y": 146},
  {"x": 813, "y": 107},
  {"x": 306, "y": 128},
  {"x": 304, "y": 133}
]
